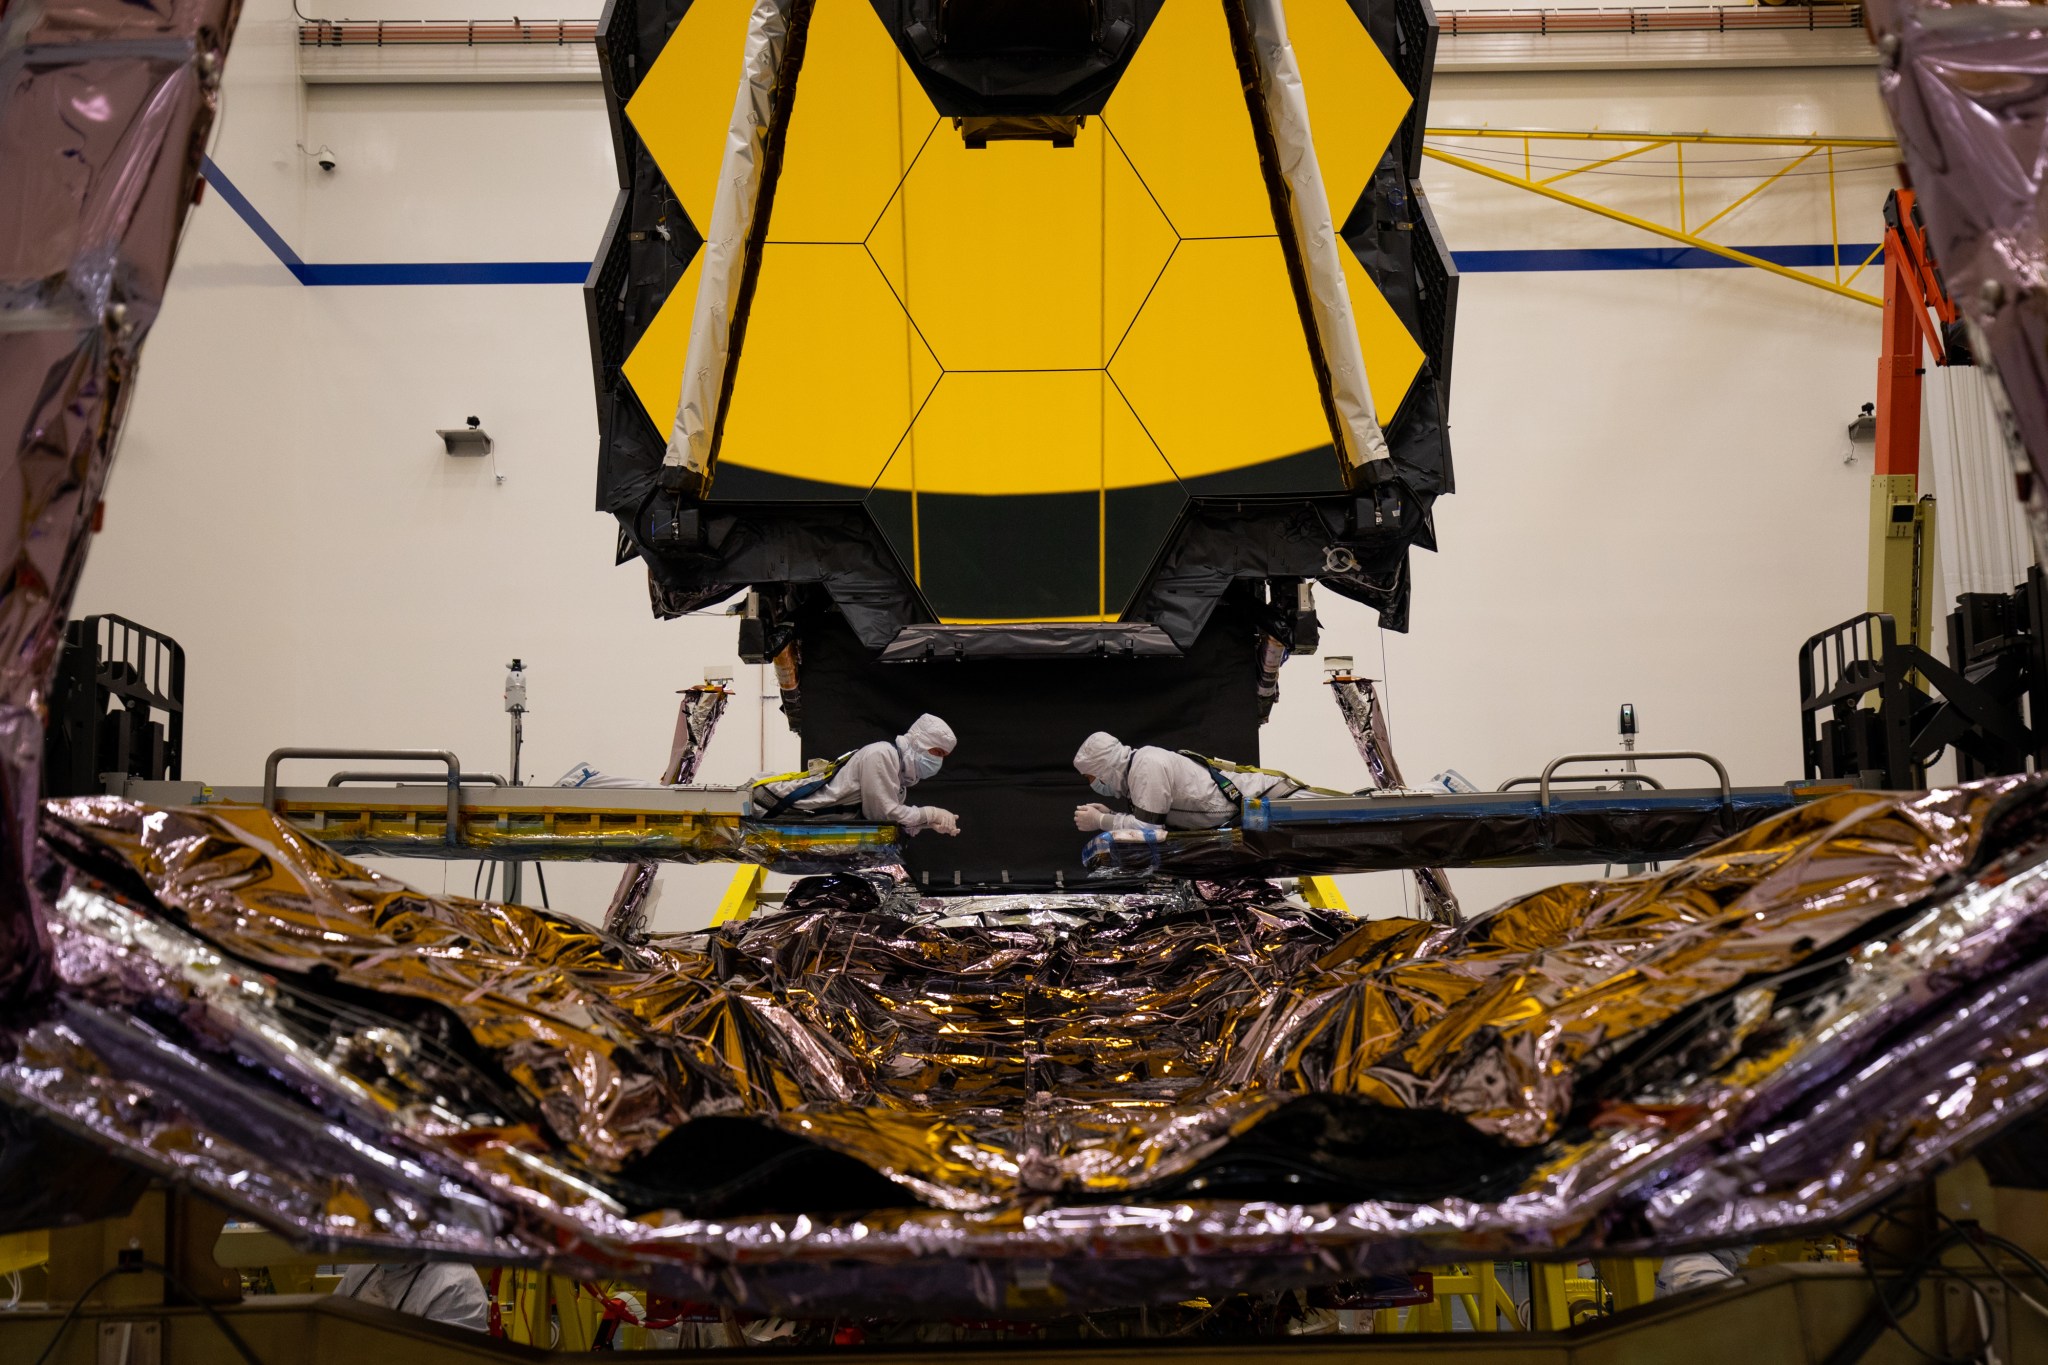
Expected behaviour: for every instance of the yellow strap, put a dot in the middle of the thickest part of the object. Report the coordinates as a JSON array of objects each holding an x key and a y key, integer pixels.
[
  {"x": 825, "y": 772},
  {"x": 1227, "y": 766}
]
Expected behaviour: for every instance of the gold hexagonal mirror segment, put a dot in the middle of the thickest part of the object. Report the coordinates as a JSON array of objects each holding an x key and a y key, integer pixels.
[
  {"x": 654, "y": 367},
  {"x": 683, "y": 105},
  {"x": 1022, "y": 255},
  {"x": 1355, "y": 101},
  {"x": 1392, "y": 357},
  {"x": 830, "y": 375},
  {"x": 855, "y": 125},
  {"x": 1217, "y": 368},
  {"x": 1179, "y": 114}
]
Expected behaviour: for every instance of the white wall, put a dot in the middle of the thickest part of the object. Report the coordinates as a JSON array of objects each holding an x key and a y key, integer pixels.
[{"x": 1652, "y": 505}]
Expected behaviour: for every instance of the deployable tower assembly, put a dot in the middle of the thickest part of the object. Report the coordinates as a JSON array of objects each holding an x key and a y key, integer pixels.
[{"x": 1024, "y": 363}]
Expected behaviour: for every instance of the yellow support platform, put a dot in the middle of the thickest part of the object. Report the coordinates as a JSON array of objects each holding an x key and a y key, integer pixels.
[
  {"x": 1476, "y": 1284},
  {"x": 1322, "y": 893},
  {"x": 741, "y": 896}
]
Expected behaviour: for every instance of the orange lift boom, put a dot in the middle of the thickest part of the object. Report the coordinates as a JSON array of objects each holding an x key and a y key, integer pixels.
[{"x": 1918, "y": 312}]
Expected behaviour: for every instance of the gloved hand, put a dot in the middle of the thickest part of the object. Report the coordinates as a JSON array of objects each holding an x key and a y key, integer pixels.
[
  {"x": 939, "y": 821},
  {"x": 1092, "y": 817}
]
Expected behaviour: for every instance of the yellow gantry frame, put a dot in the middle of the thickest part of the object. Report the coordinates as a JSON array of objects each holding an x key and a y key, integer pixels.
[
  {"x": 1800, "y": 150},
  {"x": 1556, "y": 1289}
]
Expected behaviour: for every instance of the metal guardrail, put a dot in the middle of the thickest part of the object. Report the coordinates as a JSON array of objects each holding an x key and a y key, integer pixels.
[
  {"x": 392, "y": 779},
  {"x": 442, "y": 756},
  {"x": 1690, "y": 19},
  {"x": 1720, "y": 771},
  {"x": 1532, "y": 780}
]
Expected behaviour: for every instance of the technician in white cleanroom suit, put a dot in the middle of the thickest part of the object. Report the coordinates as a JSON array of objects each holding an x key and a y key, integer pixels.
[
  {"x": 437, "y": 1291},
  {"x": 1165, "y": 789},
  {"x": 872, "y": 781}
]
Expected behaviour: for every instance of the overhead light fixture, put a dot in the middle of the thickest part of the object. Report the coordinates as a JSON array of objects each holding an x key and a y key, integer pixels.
[{"x": 466, "y": 440}]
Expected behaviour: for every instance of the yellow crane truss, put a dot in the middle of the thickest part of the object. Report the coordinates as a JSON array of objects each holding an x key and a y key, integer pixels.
[{"x": 1798, "y": 152}]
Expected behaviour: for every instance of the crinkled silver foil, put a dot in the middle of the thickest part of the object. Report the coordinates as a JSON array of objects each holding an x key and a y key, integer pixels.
[
  {"x": 1045, "y": 1092},
  {"x": 1050, "y": 1084},
  {"x": 104, "y": 107},
  {"x": 1358, "y": 701},
  {"x": 1967, "y": 89}
]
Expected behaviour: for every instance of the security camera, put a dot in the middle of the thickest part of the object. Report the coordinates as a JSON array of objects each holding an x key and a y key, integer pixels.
[{"x": 326, "y": 159}]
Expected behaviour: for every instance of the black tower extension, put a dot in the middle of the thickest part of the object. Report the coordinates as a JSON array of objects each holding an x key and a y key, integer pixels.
[
  {"x": 118, "y": 706},
  {"x": 1988, "y": 702}
]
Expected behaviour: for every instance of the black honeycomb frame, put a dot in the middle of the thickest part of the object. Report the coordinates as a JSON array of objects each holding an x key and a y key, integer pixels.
[
  {"x": 618, "y": 63},
  {"x": 1414, "y": 61},
  {"x": 1436, "y": 278},
  {"x": 649, "y": 242}
]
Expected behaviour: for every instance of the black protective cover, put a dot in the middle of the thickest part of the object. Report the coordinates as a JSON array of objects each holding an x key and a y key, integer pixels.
[
  {"x": 1019, "y": 721},
  {"x": 1028, "y": 57},
  {"x": 1579, "y": 829},
  {"x": 1037, "y": 639}
]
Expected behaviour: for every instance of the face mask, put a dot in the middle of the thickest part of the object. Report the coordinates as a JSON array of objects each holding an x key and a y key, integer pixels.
[
  {"x": 923, "y": 764},
  {"x": 1101, "y": 788}
]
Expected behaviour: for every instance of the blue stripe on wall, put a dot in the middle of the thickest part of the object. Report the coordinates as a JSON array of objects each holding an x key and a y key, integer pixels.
[
  {"x": 453, "y": 272},
  {"x": 426, "y": 272},
  {"x": 1819, "y": 255},
  {"x": 246, "y": 211}
]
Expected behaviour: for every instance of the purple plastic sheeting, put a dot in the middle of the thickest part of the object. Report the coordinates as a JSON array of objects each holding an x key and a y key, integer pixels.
[
  {"x": 1967, "y": 86},
  {"x": 104, "y": 107}
]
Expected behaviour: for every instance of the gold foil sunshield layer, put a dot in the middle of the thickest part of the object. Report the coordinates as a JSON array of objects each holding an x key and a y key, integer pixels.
[{"x": 868, "y": 1079}]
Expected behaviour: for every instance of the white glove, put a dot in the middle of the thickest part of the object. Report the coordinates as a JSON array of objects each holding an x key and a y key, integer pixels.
[
  {"x": 1092, "y": 817},
  {"x": 939, "y": 821}
]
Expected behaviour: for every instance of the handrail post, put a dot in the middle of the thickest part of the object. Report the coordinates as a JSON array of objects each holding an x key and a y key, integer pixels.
[
  {"x": 1720, "y": 770},
  {"x": 442, "y": 756}
]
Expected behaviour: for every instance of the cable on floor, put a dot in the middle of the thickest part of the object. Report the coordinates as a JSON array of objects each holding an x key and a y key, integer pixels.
[
  {"x": 1899, "y": 1297},
  {"x": 1976, "y": 1238},
  {"x": 234, "y": 1338}
]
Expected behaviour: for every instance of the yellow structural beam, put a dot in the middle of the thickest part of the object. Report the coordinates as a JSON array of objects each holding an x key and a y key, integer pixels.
[
  {"x": 1875, "y": 252},
  {"x": 1632, "y": 1281},
  {"x": 1550, "y": 1296},
  {"x": 1758, "y": 189},
  {"x": 1596, "y": 165},
  {"x": 741, "y": 896},
  {"x": 1489, "y": 1307},
  {"x": 1322, "y": 893},
  {"x": 1659, "y": 229},
  {"x": 20, "y": 1250}
]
